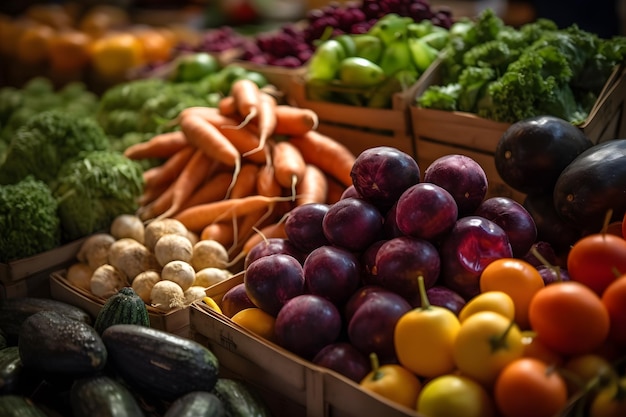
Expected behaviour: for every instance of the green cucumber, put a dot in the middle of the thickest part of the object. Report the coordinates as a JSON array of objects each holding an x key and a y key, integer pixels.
[
  {"x": 102, "y": 396},
  {"x": 196, "y": 404},
  {"x": 124, "y": 307},
  {"x": 19, "y": 406},
  {"x": 239, "y": 399},
  {"x": 52, "y": 343},
  {"x": 159, "y": 364},
  {"x": 13, "y": 312}
]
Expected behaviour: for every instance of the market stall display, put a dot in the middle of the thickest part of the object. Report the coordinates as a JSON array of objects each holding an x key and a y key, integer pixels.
[{"x": 285, "y": 252}]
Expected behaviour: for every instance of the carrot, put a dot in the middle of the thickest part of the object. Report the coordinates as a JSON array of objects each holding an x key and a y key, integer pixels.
[
  {"x": 226, "y": 106},
  {"x": 331, "y": 156},
  {"x": 197, "y": 217},
  {"x": 211, "y": 141},
  {"x": 222, "y": 232},
  {"x": 168, "y": 170},
  {"x": 151, "y": 193},
  {"x": 313, "y": 188},
  {"x": 162, "y": 145},
  {"x": 246, "y": 181},
  {"x": 289, "y": 165},
  {"x": 214, "y": 188},
  {"x": 158, "y": 206},
  {"x": 273, "y": 230},
  {"x": 265, "y": 121},
  {"x": 294, "y": 121},
  {"x": 246, "y": 141},
  {"x": 194, "y": 173},
  {"x": 246, "y": 95},
  {"x": 244, "y": 228},
  {"x": 335, "y": 190},
  {"x": 266, "y": 183}
]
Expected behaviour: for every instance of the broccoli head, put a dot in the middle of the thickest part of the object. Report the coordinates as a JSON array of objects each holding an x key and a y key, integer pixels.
[
  {"x": 46, "y": 141},
  {"x": 94, "y": 188},
  {"x": 29, "y": 222}
]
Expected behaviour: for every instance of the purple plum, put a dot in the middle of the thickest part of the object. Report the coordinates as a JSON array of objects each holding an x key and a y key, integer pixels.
[
  {"x": 462, "y": 177},
  {"x": 516, "y": 221},
  {"x": 236, "y": 299},
  {"x": 332, "y": 273},
  {"x": 382, "y": 173},
  {"x": 353, "y": 224},
  {"x": 303, "y": 226},
  {"x": 472, "y": 244},
  {"x": 426, "y": 211},
  {"x": 344, "y": 359},
  {"x": 272, "y": 280},
  {"x": 306, "y": 324}
]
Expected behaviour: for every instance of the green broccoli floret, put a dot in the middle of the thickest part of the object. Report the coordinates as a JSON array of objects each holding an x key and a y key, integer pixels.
[
  {"x": 440, "y": 97},
  {"x": 93, "y": 189},
  {"x": 29, "y": 222},
  {"x": 130, "y": 95},
  {"x": 11, "y": 99},
  {"x": 46, "y": 141}
]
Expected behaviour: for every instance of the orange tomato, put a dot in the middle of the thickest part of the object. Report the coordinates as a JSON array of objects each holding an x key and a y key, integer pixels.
[
  {"x": 32, "y": 45},
  {"x": 69, "y": 50},
  {"x": 517, "y": 278},
  {"x": 593, "y": 260},
  {"x": 614, "y": 300},
  {"x": 156, "y": 45},
  {"x": 529, "y": 387},
  {"x": 496, "y": 301},
  {"x": 569, "y": 318}
]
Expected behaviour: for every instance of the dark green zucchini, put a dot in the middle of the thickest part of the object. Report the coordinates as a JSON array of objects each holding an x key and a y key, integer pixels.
[
  {"x": 102, "y": 396},
  {"x": 158, "y": 363},
  {"x": 124, "y": 307},
  {"x": 592, "y": 184},
  {"x": 53, "y": 343},
  {"x": 196, "y": 404},
  {"x": 13, "y": 312},
  {"x": 239, "y": 399},
  {"x": 10, "y": 369},
  {"x": 19, "y": 406}
]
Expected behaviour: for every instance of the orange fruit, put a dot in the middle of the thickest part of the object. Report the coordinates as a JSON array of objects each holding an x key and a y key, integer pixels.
[
  {"x": 32, "y": 45},
  {"x": 257, "y": 321},
  {"x": 114, "y": 55},
  {"x": 69, "y": 50}
]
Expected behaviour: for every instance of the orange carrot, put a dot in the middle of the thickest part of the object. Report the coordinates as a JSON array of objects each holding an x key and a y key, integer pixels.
[
  {"x": 246, "y": 141},
  {"x": 265, "y": 121},
  {"x": 214, "y": 188},
  {"x": 266, "y": 183},
  {"x": 294, "y": 121},
  {"x": 246, "y": 181},
  {"x": 335, "y": 190},
  {"x": 168, "y": 170},
  {"x": 331, "y": 156},
  {"x": 222, "y": 232},
  {"x": 162, "y": 145},
  {"x": 273, "y": 230},
  {"x": 151, "y": 193},
  {"x": 158, "y": 206},
  {"x": 194, "y": 173},
  {"x": 289, "y": 165},
  {"x": 197, "y": 217},
  {"x": 245, "y": 227},
  {"x": 211, "y": 141},
  {"x": 246, "y": 94},
  {"x": 226, "y": 106},
  {"x": 313, "y": 188}
]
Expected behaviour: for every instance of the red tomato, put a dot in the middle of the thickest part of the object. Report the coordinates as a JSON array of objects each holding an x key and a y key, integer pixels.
[
  {"x": 569, "y": 318},
  {"x": 593, "y": 260},
  {"x": 614, "y": 299}
]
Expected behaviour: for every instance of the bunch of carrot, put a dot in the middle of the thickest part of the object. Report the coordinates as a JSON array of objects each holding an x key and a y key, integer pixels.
[{"x": 239, "y": 168}]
